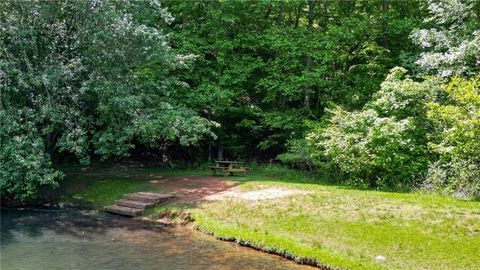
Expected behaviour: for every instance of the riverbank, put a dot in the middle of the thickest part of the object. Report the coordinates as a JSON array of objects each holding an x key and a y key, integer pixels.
[{"x": 281, "y": 211}]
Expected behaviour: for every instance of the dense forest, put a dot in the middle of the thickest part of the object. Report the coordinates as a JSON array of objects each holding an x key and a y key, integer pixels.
[{"x": 376, "y": 94}]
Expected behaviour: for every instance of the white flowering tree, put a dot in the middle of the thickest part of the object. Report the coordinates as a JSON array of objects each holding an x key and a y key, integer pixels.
[
  {"x": 85, "y": 77},
  {"x": 451, "y": 38},
  {"x": 385, "y": 144}
]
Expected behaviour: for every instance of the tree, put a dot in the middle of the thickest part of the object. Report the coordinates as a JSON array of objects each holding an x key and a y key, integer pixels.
[
  {"x": 259, "y": 60},
  {"x": 85, "y": 78},
  {"x": 451, "y": 38},
  {"x": 456, "y": 138},
  {"x": 384, "y": 144}
]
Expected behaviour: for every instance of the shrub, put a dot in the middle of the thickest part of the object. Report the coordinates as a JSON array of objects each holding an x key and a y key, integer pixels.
[
  {"x": 456, "y": 138},
  {"x": 24, "y": 164},
  {"x": 301, "y": 155},
  {"x": 459, "y": 178},
  {"x": 371, "y": 150},
  {"x": 385, "y": 144}
]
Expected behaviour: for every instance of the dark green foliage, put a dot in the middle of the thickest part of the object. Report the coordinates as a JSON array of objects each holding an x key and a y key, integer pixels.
[
  {"x": 24, "y": 164},
  {"x": 85, "y": 78},
  {"x": 280, "y": 62},
  {"x": 411, "y": 132},
  {"x": 456, "y": 139},
  {"x": 193, "y": 80}
]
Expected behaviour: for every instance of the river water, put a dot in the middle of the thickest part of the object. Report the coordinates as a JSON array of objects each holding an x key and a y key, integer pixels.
[{"x": 81, "y": 239}]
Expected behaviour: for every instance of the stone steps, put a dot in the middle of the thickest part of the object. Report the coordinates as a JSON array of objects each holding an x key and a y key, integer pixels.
[
  {"x": 148, "y": 197},
  {"x": 124, "y": 211},
  {"x": 134, "y": 204}
]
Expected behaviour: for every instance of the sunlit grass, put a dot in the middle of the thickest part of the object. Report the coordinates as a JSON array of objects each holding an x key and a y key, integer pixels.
[
  {"x": 352, "y": 228},
  {"x": 338, "y": 226},
  {"x": 104, "y": 192}
]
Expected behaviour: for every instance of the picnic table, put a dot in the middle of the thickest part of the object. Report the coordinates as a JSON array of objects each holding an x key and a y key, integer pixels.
[{"x": 229, "y": 167}]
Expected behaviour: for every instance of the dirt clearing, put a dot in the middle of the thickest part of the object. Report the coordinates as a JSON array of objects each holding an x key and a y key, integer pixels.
[
  {"x": 192, "y": 188},
  {"x": 195, "y": 188}
]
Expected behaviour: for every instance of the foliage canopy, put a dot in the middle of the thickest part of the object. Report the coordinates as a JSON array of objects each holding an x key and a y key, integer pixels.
[{"x": 307, "y": 81}]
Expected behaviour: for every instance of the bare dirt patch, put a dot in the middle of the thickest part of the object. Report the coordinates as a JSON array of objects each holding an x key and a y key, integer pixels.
[
  {"x": 195, "y": 188},
  {"x": 192, "y": 188}
]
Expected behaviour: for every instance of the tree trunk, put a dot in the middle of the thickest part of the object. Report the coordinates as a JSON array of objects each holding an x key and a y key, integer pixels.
[
  {"x": 50, "y": 143},
  {"x": 209, "y": 150},
  {"x": 324, "y": 21},
  {"x": 385, "y": 7},
  {"x": 269, "y": 11},
  {"x": 403, "y": 9},
  {"x": 318, "y": 99},
  {"x": 298, "y": 12},
  {"x": 280, "y": 14},
  {"x": 311, "y": 16},
  {"x": 306, "y": 100}
]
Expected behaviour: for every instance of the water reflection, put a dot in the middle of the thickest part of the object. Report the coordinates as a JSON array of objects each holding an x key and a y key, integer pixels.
[{"x": 68, "y": 239}]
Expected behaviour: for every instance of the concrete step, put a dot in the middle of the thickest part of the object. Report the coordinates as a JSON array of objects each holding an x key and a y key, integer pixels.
[
  {"x": 133, "y": 204},
  {"x": 122, "y": 210},
  {"x": 148, "y": 197}
]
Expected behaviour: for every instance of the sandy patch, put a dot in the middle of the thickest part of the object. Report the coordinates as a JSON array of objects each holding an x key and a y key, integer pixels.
[
  {"x": 270, "y": 193},
  {"x": 191, "y": 188}
]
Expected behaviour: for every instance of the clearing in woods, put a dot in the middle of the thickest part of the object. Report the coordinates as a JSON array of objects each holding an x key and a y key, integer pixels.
[{"x": 298, "y": 217}]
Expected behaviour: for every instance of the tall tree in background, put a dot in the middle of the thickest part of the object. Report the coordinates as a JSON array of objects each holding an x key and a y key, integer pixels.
[
  {"x": 425, "y": 124},
  {"x": 263, "y": 67},
  {"x": 85, "y": 78},
  {"x": 99, "y": 78},
  {"x": 451, "y": 38}
]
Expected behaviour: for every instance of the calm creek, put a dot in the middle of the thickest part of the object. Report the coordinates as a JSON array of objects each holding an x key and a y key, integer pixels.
[{"x": 82, "y": 239}]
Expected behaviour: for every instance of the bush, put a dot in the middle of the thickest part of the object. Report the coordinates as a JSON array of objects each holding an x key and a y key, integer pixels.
[
  {"x": 301, "y": 155},
  {"x": 458, "y": 178},
  {"x": 385, "y": 144},
  {"x": 370, "y": 150},
  {"x": 24, "y": 165},
  {"x": 456, "y": 138}
]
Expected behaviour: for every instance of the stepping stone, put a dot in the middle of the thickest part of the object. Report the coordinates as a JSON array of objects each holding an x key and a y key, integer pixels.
[
  {"x": 148, "y": 197},
  {"x": 133, "y": 204},
  {"x": 122, "y": 210}
]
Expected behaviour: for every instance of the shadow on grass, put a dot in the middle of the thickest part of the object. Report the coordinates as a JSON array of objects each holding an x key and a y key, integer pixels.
[{"x": 98, "y": 186}]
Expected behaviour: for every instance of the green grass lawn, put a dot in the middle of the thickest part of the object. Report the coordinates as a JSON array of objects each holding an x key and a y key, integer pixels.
[
  {"x": 103, "y": 185},
  {"x": 338, "y": 226}
]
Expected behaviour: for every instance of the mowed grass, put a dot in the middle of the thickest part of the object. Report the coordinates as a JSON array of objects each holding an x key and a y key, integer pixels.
[
  {"x": 101, "y": 186},
  {"x": 347, "y": 228},
  {"x": 338, "y": 226}
]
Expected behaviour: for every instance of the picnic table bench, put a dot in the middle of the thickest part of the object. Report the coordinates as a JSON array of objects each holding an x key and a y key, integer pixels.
[{"x": 229, "y": 167}]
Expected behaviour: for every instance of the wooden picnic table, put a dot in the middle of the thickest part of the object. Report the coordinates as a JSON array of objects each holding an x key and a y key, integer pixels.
[{"x": 229, "y": 167}]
